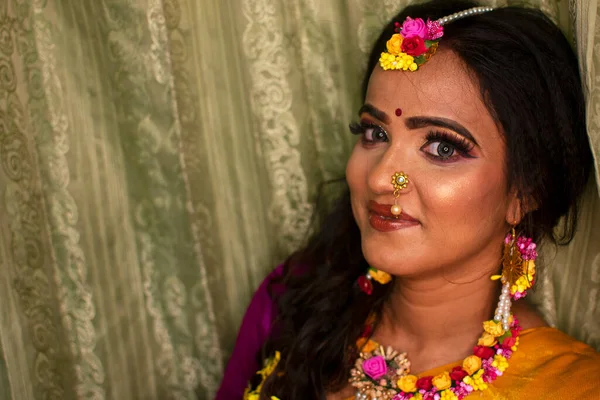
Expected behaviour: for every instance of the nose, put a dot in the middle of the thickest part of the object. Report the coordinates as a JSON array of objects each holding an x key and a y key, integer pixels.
[{"x": 389, "y": 175}]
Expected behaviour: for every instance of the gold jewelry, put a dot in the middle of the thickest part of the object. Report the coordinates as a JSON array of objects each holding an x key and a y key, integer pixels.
[{"x": 399, "y": 181}]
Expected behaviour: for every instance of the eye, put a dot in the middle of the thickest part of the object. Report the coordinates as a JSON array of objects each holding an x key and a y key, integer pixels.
[
  {"x": 370, "y": 132},
  {"x": 441, "y": 149},
  {"x": 375, "y": 134},
  {"x": 443, "y": 146}
]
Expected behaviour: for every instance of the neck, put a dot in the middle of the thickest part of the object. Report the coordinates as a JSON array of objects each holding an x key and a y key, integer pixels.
[{"x": 438, "y": 319}]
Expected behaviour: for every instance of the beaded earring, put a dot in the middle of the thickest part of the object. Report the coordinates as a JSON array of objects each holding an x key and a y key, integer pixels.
[
  {"x": 365, "y": 281},
  {"x": 518, "y": 274}
]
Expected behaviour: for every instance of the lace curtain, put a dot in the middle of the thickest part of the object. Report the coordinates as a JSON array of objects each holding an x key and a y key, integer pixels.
[{"x": 159, "y": 157}]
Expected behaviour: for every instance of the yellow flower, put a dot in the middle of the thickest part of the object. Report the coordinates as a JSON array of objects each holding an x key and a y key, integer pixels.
[
  {"x": 442, "y": 381},
  {"x": 448, "y": 395},
  {"x": 380, "y": 276},
  {"x": 394, "y": 45},
  {"x": 530, "y": 268},
  {"x": 487, "y": 340},
  {"x": 514, "y": 348},
  {"x": 365, "y": 345},
  {"x": 476, "y": 381},
  {"x": 247, "y": 394},
  {"x": 493, "y": 328},
  {"x": 500, "y": 362},
  {"x": 407, "y": 61},
  {"x": 387, "y": 61},
  {"x": 408, "y": 383},
  {"x": 413, "y": 67},
  {"x": 270, "y": 366},
  {"x": 472, "y": 364}
]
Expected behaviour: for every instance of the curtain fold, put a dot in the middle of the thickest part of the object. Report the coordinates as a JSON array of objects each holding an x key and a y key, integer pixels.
[{"x": 159, "y": 157}]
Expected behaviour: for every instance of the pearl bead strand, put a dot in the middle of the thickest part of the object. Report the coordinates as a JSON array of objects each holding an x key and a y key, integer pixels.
[
  {"x": 463, "y": 14},
  {"x": 504, "y": 306}
]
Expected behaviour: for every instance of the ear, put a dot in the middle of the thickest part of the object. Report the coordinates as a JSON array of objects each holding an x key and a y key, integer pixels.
[
  {"x": 514, "y": 211},
  {"x": 517, "y": 208}
]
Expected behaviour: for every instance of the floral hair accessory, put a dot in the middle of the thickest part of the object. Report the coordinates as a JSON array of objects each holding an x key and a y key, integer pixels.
[{"x": 416, "y": 41}]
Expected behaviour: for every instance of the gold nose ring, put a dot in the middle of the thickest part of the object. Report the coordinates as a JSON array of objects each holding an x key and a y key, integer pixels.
[{"x": 399, "y": 181}]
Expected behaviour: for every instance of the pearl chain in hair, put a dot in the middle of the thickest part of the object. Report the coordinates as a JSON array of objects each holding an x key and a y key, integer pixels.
[{"x": 462, "y": 14}]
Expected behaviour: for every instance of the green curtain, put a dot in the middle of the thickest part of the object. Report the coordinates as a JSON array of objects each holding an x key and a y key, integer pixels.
[{"x": 159, "y": 157}]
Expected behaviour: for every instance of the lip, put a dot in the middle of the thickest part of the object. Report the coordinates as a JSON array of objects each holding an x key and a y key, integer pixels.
[{"x": 382, "y": 219}]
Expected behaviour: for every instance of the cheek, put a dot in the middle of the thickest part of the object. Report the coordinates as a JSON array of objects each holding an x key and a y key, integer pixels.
[
  {"x": 356, "y": 172},
  {"x": 466, "y": 201}
]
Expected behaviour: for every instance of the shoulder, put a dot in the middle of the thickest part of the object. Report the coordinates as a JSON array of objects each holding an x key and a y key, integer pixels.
[
  {"x": 547, "y": 342},
  {"x": 253, "y": 333},
  {"x": 550, "y": 361},
  {"x": 261, "y": 311}
]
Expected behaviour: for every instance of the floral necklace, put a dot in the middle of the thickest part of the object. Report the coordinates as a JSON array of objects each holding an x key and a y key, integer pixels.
[{"x": 384, "y": 374}]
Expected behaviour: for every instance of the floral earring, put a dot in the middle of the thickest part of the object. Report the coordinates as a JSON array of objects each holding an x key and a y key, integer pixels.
[
  {"x": 365, "y": 281},
  {"x": 518, "y": 273}
]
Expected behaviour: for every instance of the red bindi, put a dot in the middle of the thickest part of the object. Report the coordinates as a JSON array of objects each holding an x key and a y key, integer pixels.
[{"x": 398, "y": 112}]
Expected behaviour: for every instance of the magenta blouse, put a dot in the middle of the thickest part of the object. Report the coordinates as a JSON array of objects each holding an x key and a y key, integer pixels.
[{"x": 254, "y": 331}]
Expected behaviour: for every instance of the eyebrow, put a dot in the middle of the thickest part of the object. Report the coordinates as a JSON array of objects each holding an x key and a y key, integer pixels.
[
  {"x": 374, "y": 112},
  {"x": 422, "y": 122}
]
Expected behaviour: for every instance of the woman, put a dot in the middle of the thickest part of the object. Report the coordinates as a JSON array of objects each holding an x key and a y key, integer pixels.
[{"x": 472, "y": 148}]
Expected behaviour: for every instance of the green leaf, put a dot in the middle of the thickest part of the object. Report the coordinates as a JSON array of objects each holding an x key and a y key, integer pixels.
[{"x": 505, "y": 336}]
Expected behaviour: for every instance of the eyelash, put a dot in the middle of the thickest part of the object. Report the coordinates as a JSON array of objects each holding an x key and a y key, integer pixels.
[
  {"x": 460, "y": 145},
  {"x": 362, "y": 128}
]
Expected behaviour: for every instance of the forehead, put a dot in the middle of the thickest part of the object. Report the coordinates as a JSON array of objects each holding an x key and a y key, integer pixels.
[{"x": 443, "y": 87}]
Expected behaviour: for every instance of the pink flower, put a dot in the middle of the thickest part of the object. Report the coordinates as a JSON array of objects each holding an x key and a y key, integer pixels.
[
  {"x": 504, "y": 352},
  {"x": 375, "y": 367},
  {"x": 430, "y": 396},
  {"x": 414, "y": 27},
  {"x": 527, "y": 248},
  {"x": 403, "y": 396},
  {"x": 519, "y": 295},
  {"x": 434, "y": 30},
  {"x": 490, "y": 373}
]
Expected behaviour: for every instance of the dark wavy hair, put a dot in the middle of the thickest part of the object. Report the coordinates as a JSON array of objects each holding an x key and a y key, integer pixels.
[{"x": 529, "y": 79}]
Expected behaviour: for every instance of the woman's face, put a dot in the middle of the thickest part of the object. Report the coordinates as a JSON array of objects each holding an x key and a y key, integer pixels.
[{"x": 457, "y": 202}]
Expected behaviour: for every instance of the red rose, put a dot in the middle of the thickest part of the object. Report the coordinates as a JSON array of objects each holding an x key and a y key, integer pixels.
[
  {"x": 483, "y": 352},
  {"x": 414, "y": 46},
  {"x": 458, "y": 373},
  {"x": 425, "y": 383},
  {"x": 509, "y": 342}
]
